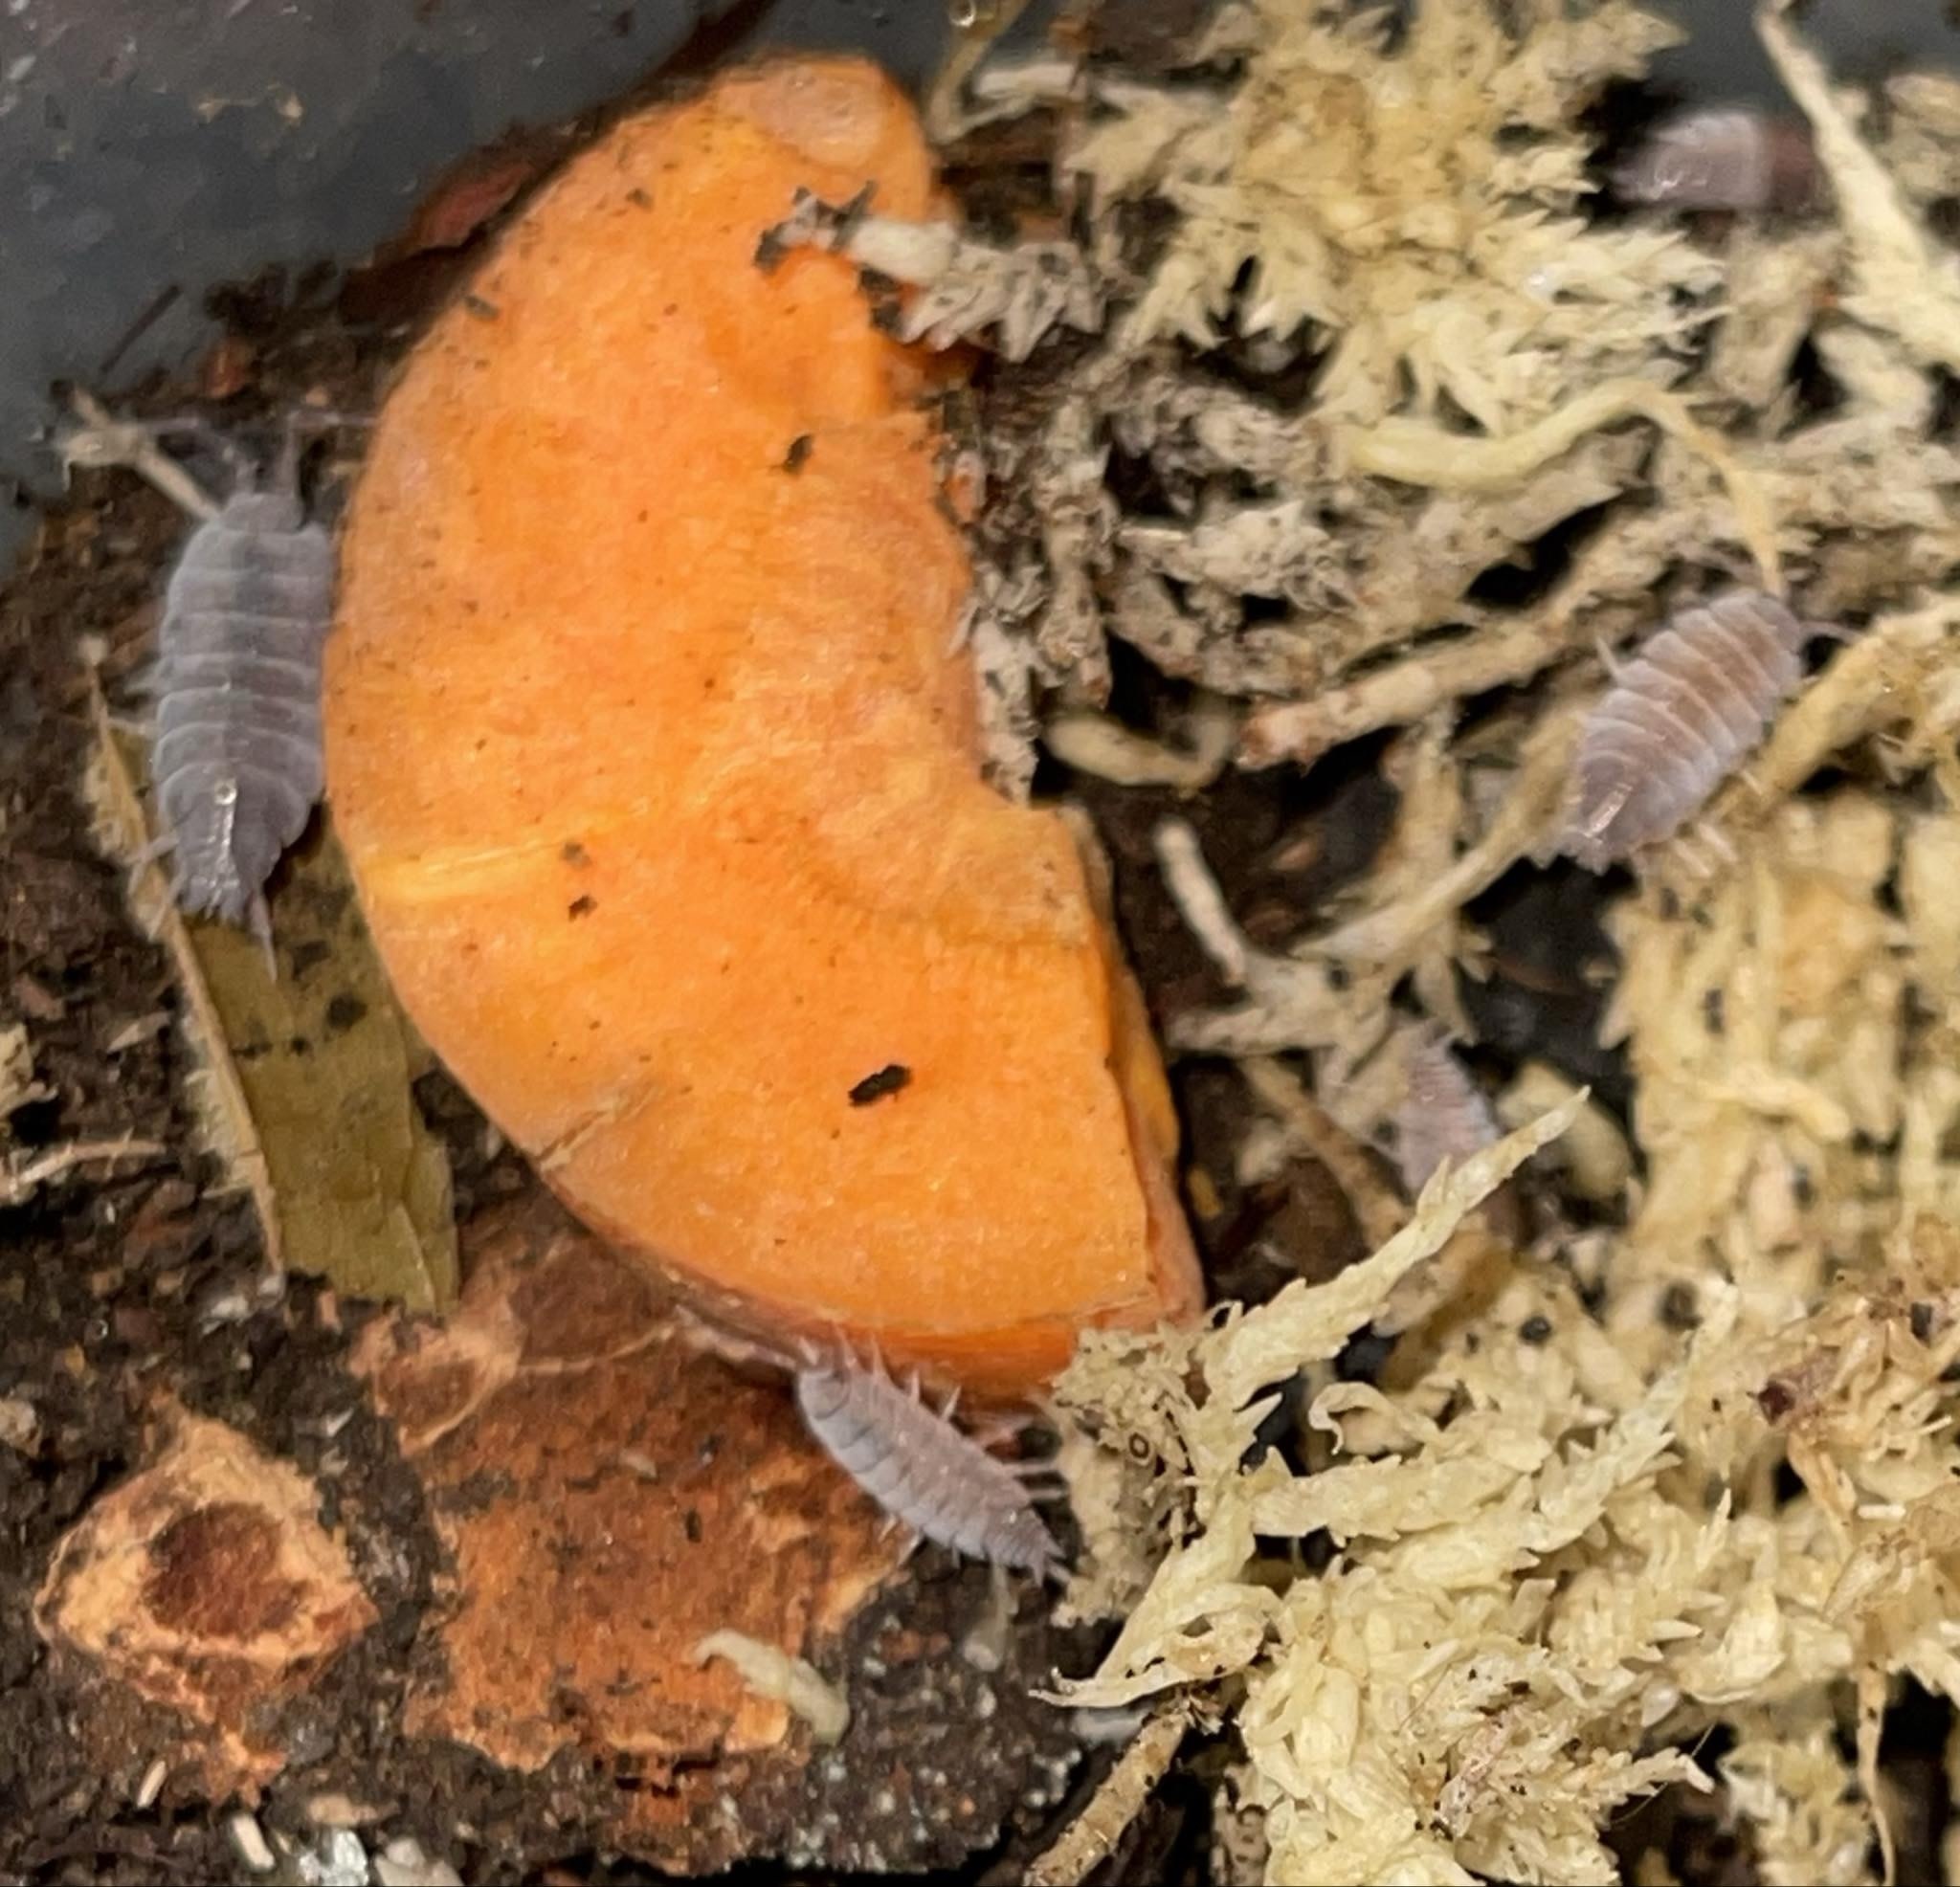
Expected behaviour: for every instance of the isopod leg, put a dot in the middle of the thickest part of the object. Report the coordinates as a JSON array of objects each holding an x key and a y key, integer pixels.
[
  {"x": 159, "y": 846},
  {"x": 259, "y": 922},
  {"x": 1716, "y": 840}
]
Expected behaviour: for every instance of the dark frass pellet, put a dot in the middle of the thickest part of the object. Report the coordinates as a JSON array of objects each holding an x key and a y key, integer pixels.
[{"x": 887, "y": 1080}]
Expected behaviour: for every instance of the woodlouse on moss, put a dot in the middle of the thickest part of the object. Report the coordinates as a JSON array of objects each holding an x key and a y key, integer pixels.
[{"x": 1678, "y": 721}]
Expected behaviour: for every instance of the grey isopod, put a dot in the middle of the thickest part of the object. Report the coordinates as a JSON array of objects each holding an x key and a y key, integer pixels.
[
  {"x": 1443, "y": 1116},
  {"x": 236, "y": 755},
  {"x": 1678, "y": 721},
  {"x": 920, "y": 1468},
  {"x": 236, "y": 759},
  {"x": 1721, "y": 157}
]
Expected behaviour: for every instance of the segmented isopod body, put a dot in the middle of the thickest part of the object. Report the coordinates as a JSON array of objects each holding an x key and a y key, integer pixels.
[
  {"x": 921, "y": 1469},
  {"x": 1725, "y": 157},
  {"x": 237, "y": 754},
  {"x": 1678, "y": 721},
  {"x": 1444, "y": 1115}
]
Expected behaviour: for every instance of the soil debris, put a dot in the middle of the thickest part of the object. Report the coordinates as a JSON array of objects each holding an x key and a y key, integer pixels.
[
  {"x": 204, "y": 1584},
  {"x": 515, "y": 1413}
]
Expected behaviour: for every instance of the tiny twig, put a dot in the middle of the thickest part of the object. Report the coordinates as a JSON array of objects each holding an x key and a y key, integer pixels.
[
  {"x": 152, "y": 893},
  {"x": 1200, "y": 901},
  {"x": 106, "y": 440},
  {"x": 1091, "y": 1838},
  {"x": 21, "y": 1183}
]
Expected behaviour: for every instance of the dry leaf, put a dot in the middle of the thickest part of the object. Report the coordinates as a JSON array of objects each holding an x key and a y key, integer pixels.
[
  {"x": 327, "y": 1067},
  {"x": 306, "y": 1078}
]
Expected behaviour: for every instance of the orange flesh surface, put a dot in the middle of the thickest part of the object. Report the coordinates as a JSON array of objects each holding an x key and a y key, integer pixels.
[{"x": 659, "y": 776}]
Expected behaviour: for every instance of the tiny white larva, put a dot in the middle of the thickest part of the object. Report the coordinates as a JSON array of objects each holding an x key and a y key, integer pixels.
[
  {"x": 1678, "y": 721},
  {"x": 1721, "y": 157},
  {"x": 921, "y": 1469}
]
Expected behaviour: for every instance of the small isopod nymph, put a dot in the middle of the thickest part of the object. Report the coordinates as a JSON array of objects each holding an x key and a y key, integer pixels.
[
  {"x": 1723, "y": 157},
  {"x": 1678, "y": 721},
  {"x": 927, "y": 1474},
  {"x": 1444, "y": 1115}
]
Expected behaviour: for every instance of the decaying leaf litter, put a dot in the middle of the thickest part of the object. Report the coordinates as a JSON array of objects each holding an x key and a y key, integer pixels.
[
  {"x": 1332, "y": 334},
  {"x": 1564, "y": 1551}
]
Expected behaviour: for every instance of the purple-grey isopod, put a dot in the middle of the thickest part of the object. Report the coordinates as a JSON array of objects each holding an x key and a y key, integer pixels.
[
  {"x": 921, "y": 1469},
  {"x": 1443, "y": 1114},
  {"x": 1721, "y": 157},
  {"x": 1678, "y": 721},
  {"x": 237, "y": 757}
]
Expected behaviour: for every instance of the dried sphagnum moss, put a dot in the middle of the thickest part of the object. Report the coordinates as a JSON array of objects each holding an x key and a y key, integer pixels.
[{"x": 1333, "y": 337}]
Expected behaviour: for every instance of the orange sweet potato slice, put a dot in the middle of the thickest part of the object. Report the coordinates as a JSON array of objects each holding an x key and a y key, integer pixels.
[{"x": 659, "y": 775}]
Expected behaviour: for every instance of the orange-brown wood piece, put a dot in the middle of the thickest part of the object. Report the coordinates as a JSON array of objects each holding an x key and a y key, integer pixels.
[{"x": 648, "y": 742}]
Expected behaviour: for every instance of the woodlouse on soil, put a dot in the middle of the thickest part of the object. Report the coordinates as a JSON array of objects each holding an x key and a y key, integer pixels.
[
  {"x": 237, "y": 751},
  {"x": 927, "y": 1474},
  {"x": 1678, "y": 721},
  {"x": 1724, "y": 157}
]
